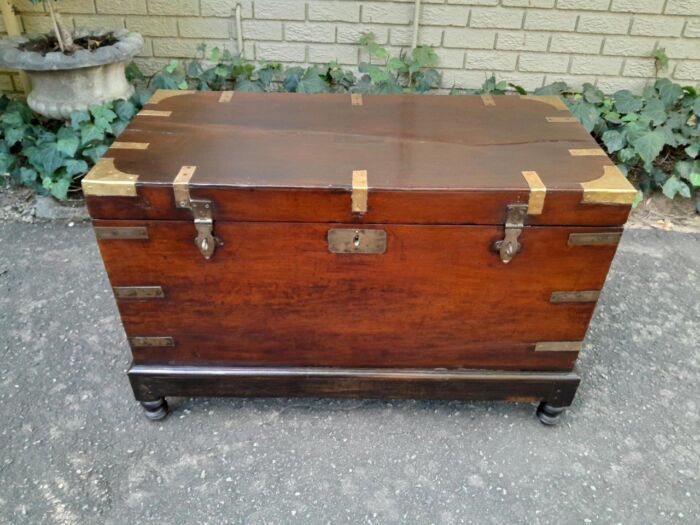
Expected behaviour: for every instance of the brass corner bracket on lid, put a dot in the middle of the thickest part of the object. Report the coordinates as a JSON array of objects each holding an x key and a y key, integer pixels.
[
  {"x": 105, "y": 180},
  {"x": 356, "y": 99},
  {"x": 201, "y": 210},
  {"x": 610, "y": 188}
]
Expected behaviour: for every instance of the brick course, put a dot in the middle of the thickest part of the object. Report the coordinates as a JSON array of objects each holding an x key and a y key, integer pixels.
[{"x": 528, "y": 42}]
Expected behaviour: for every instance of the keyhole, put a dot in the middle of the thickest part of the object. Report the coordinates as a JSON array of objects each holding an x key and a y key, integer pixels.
[{"x": 356, "y": 239}]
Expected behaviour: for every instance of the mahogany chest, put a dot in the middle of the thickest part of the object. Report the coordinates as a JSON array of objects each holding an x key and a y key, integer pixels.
[{"x": 445, "y": 247}]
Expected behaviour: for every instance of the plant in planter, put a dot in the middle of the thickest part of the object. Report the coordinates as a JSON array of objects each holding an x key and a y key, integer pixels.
[{"x": 71, "y": 71}]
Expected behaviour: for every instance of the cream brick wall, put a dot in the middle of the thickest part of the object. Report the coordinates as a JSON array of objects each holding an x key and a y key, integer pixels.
[{"x": 530, "y": 42}]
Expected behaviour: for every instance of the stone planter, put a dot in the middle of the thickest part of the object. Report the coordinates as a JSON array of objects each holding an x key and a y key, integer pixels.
[{"x": 64, "y": 83}]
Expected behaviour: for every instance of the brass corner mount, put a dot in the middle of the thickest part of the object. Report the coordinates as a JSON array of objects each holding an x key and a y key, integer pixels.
[{"x": 105, "y": 180}]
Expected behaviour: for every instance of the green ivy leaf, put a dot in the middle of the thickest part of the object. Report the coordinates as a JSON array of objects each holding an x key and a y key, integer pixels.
[
  {"x": 427, "y": 80},
  {"x": 695, "y": 180},
  {"x": 674, "y": 186},
  {"x": 59, "y": 189},
  {"x": 268, "y": 72},
  {"x": 133, "y": 73},
  {"x": 45, "y": 158},
  {"x": 376, "y": 74},
  {"x": 12, "y": 118},
  {"x": 194, "y": 69},
  {"x": 638, "y": 199},
  {"x": 165, "y": 81},
  {"x": 520, "y": 90},
  {"x": 557, "y": 88},
  {"x": 389, "y": 88},
  {"x": 670, "y": 93},
  {"x": 125, "y": 109},
  {"x": 694, "y": 149},
  {"x": 613, "y": 117},
  {"x": 424, "y": 56},
  {"x": 140, "y": 97},
  {"x": 78, "y": 117},
  {"x": 292, "y": 76},
  {"x": 7, "y": 161},
  {"x": 627, "y": 155},
  {"x": 586, "y": 113},
  {"x": 655, "y": 111},
  {"x": 592, "y": 94},
  {"x": 172, "y": 67},
  {"x": 28, "y": 176},
  {"x": 119, "y": 126},
  {"x": 91, "y": 133},
  {"x": 215, "y": 54},
  {"x": 696, "y": 107},
  {"x": 648, "y": 145},
  {"x": 103, "y": 116},
  {"x": 626, "y": 102},
  {"x": 95, "y": 153},
  {"x": 76, "y": 167},
  {"x": 312, "y": 82},
  {"x": 249, "y": 86},
  {"x": 614, "y": 140},
  {"x": 689, "y": 170},
  {"x": 67, "y": 142},
  {"x": 15, "y": 135}
]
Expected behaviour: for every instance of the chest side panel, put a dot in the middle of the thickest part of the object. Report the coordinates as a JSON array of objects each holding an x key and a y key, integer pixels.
[{"x": 274, "y": 294}]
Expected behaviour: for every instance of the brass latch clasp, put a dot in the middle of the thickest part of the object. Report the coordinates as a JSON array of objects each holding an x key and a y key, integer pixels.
[
  {"x": 204, "y": 224},
  {"x": 515, "y": 222},
  {"x": 201, "y": 211}
]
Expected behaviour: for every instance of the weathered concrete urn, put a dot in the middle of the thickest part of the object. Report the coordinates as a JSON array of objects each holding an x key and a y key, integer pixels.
[{"x": 62, "y": 83}]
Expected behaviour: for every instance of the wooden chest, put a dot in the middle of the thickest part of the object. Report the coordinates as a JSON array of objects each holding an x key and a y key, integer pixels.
[{"x": 446, "y": 247}]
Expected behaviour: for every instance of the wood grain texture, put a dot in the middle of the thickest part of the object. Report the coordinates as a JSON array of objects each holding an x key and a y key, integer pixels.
[
  {"x": 154, "y": 382},
  {"x": 274, "y": 295},
  {"x": 286, "y": 157}
]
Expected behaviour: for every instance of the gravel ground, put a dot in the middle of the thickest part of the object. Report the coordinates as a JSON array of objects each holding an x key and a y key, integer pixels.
[{"x": 75, "y": 447}]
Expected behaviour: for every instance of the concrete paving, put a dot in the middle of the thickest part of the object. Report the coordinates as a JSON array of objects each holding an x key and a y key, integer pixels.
[{"x": 75, "y": 447}]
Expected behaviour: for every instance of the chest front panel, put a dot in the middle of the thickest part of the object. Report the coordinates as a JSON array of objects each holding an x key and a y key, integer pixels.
[{"x": 431, "y": 296}]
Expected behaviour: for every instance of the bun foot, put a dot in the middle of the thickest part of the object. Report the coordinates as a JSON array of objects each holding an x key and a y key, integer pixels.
[
  {"x": 548, "y": 414},
  {"x": 155, "y": 410}
]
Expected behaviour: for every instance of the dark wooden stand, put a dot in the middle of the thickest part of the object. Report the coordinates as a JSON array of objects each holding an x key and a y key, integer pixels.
[{"x": 152, "y": 383}]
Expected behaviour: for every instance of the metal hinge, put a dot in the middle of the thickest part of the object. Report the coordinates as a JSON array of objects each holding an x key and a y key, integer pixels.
[
  {"x": 515, "y": 222},
  {"x": 201, "y": 210}
]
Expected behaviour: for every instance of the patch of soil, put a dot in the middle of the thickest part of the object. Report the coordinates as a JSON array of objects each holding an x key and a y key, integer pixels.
[
  {"x": 48, "y": 43},
  {"x": 659, "y": 212},
  {"x": 16, "y": 204}
]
